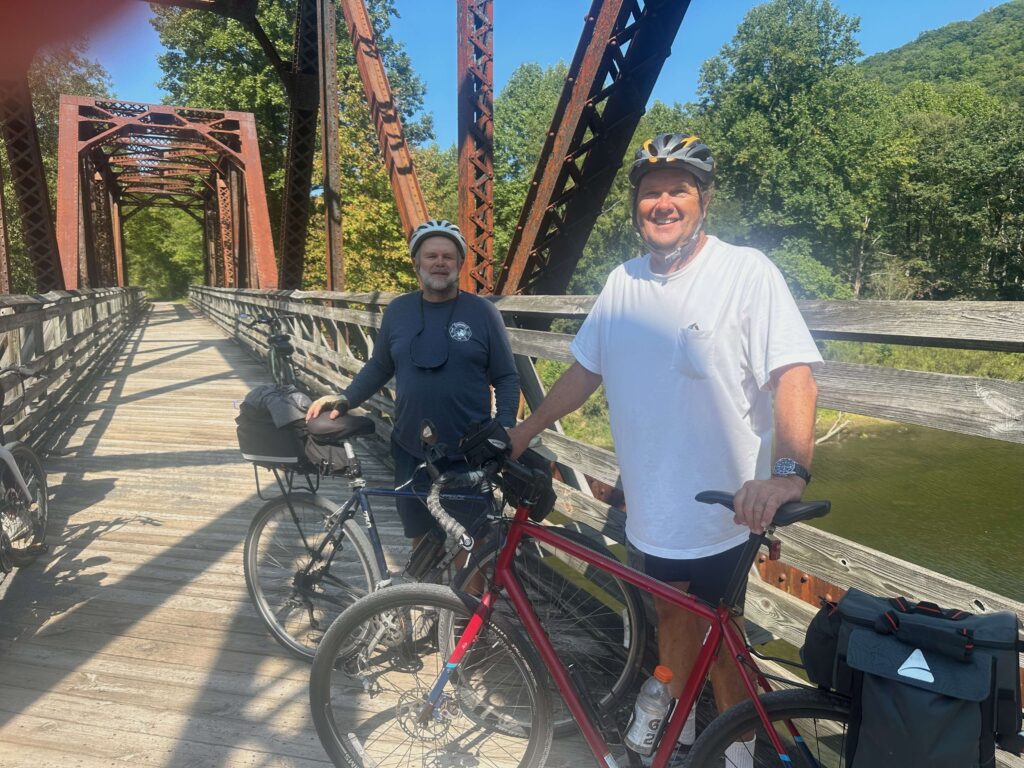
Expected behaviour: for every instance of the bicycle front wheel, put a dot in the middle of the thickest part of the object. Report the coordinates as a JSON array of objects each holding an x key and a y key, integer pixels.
[
  {"x": 302, "y": 569},
  {"x": 24, "y": 518},
  {"x": 595, "y": 621},
  {"x": 379, "y": 661},
  {"x": 812, "y": 725}
]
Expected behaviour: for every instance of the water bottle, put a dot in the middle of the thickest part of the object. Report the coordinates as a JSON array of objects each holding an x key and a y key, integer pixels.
[{"x": 649, "y": 712}]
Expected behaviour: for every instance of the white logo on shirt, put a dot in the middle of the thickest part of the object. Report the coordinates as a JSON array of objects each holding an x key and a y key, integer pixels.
[{"x": 459, "y": 331}]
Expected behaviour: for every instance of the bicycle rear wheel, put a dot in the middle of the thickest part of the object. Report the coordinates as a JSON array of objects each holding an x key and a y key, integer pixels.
[
  {"x": 821, "y": 719},
  {"x": 24, "y": 518},
  {"x": 297, "y": 587},
  {"x": 381, "y": 658},
  {"x": 595, "y": 621}
]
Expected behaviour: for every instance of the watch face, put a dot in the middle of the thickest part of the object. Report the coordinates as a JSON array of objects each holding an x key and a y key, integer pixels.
[{"x": 784, "y": 467}]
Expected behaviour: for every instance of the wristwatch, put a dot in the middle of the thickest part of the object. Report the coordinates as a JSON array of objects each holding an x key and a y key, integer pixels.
[{"x": 786, "y": 467}]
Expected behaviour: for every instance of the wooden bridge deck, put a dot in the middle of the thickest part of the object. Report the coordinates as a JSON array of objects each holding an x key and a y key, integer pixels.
[{"x": 133, "y": 641}]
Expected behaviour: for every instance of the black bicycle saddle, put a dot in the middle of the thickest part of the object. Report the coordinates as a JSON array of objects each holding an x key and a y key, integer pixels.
[{"x": 323, "y": 428}]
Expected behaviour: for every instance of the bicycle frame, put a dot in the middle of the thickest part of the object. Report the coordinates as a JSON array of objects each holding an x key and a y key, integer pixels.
[
  {"x": 358, "y": 502},
  {"x": 720, "y": 631}
]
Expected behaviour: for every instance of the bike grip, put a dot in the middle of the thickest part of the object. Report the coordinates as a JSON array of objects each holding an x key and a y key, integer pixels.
[{"x": 449, "y": 524}]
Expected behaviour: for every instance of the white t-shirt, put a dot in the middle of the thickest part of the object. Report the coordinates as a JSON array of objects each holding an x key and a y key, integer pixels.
[{"x": 686, "y": 360}]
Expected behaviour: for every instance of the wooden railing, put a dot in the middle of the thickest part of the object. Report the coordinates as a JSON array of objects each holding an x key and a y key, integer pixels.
[
  {"x": 65, "y": 335},
  {"x": 333, "y": 333}
]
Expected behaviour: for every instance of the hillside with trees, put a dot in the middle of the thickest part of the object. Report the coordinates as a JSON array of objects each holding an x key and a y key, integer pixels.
[{"x": 987, "y": 50}]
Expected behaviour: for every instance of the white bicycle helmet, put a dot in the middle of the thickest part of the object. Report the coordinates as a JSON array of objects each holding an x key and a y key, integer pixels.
[{"x": 441, "y": 227}]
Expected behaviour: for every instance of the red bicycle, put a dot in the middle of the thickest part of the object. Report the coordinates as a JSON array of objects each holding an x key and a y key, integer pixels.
[{"x": 421, "y": 675}]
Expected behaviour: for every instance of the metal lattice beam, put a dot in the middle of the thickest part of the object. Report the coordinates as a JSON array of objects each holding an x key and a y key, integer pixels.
[
  {"x": 412, "y": 208},
  {"x": 476, "y": 142},
  {"x": 29, "y": 179},
  {"x": 302, "y": 115},
  {"x": 618, "y": 59}
]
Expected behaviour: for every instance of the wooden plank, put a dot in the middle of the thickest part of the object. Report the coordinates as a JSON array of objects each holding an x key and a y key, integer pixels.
[
  {"x": 992, "y": 325},
  {"x": 973, "y": 406}
]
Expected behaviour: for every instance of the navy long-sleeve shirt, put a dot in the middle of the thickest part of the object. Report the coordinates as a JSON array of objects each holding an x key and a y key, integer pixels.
[{"x": 469, "y": 330}]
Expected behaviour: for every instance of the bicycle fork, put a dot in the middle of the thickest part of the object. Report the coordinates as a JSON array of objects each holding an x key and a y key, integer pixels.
[{"x": 469, "y": 636}]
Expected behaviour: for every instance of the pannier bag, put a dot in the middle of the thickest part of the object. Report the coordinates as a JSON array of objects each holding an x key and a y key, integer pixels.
[
  {"x": 930, "y": 687},
  {"x": 270, "y": 427}
]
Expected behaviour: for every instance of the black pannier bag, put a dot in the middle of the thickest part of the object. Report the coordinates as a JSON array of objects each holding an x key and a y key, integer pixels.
[
  {"x": 271, "y": 428},
  {"x": 930, "y": 687}
]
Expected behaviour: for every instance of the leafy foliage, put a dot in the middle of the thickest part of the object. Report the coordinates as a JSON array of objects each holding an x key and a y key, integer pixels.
[
  {"x": 62, "y": 69},
  {"x": 213, "y": 62},
  {"x": 987, "y": 50},
  {"x": 168, "y": 244}
]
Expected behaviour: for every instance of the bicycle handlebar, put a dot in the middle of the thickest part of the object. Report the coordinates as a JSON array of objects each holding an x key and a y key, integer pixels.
[{"x": 449, "y": 524}]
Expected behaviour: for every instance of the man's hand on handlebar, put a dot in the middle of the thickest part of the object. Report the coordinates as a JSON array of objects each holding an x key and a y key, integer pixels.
[
  {"x": 337, "y": 403},
  {"x": 756, "y": 503}
]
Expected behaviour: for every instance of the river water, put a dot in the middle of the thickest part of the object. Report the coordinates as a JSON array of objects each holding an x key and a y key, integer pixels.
[{"x": 951, "y": 503}]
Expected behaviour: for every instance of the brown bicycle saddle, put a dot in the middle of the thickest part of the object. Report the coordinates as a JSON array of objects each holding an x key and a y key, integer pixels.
[{"x": 324, "y": 429}]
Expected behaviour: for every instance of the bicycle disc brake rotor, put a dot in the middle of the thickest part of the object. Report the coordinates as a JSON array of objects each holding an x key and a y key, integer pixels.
[{"x": 420, "y": 722}]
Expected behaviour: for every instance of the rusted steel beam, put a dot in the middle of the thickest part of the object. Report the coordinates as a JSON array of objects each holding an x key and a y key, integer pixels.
[
  {"x": 29, "y": 179},
  {"x": 226, "y": 217},
  {"x": 302, "y": 114},
  {"x": 261, "y": 241},
  {"x": 618, "y": 59},
  {"x": 159, "y": 151},
  {"x": 327, "y": 19},
  {"x": 476, "y": 142},
  {"x": 412, "y": 208}
]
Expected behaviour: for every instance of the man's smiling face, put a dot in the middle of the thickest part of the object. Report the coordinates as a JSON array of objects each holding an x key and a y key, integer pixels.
[{"x": 668, "y": 208}]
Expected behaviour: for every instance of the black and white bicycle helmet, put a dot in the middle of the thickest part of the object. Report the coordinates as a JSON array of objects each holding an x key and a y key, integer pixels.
[
  {"x": 441, "y": 227},
  {"x": 674, "y": 150}
]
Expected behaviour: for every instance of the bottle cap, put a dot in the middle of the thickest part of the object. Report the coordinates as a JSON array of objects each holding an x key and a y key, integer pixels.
[{"x": 664, "y": 674}]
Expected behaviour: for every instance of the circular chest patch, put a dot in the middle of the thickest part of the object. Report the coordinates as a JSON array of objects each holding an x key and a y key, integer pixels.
[{"x": 459, "y": 331}]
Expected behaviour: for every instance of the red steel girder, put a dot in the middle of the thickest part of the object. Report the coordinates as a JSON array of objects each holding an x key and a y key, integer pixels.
[
  {"x": 161, "y": 151},
  {"x": 29, "y": 179},
  {"x": 618, "y": 59},
  {"x": 412, "y": 208},
  {"x": 476, "y": 142}
]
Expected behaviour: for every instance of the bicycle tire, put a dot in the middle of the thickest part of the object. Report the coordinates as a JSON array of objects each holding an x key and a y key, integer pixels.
[
  {"x": 820, "y": 717},
  {"x": 27, "y": 521},
  {"x": 382, "y": 655},
  {"x": 600, "y": 628},
  {"x": 298, "y": 613}
]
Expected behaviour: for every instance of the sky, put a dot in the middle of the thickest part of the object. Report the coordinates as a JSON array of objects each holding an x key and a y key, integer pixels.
[{"x": 543, "y": 31}]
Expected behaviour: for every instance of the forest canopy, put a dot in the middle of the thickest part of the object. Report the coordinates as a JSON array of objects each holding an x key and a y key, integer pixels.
[{"x": 897, "y": 176}]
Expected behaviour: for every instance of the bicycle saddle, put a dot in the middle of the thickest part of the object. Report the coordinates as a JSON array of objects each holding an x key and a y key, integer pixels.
[
  {"x": 788, "y": 513},
  {"x": 324, "y": 429}
]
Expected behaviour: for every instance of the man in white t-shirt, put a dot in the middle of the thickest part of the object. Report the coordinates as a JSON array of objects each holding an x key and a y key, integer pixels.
[{"x": 693, "y": 342}]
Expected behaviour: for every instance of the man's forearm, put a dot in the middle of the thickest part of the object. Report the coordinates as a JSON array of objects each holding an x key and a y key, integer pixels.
[{"x": 796, "y": 395}]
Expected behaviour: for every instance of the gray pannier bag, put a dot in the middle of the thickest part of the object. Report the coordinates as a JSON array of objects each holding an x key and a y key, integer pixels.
[{"x": 931, "y": 687}]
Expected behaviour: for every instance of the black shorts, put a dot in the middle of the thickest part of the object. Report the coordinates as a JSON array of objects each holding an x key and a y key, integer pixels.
[
  {"x": 416, "y": 518},
  {"x": 708, "y": 576}
]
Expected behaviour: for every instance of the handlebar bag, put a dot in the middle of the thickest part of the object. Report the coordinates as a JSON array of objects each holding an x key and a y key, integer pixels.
[{"x": 482, "y": 443}]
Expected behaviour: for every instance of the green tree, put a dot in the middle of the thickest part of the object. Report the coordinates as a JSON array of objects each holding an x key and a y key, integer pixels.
[
  {"x": 62, "y": 69},
  {"x": 807, "y": 147},
  {"x": 213, "y": 62},
  {"x": 164, "y": 251}
]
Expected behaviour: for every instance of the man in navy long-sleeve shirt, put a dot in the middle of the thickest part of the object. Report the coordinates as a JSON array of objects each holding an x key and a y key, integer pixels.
[{"x": 445, "y": 349}]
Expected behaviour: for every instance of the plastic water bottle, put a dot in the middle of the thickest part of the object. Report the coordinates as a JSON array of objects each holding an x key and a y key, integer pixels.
[{"x": 649, "y": 712}]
